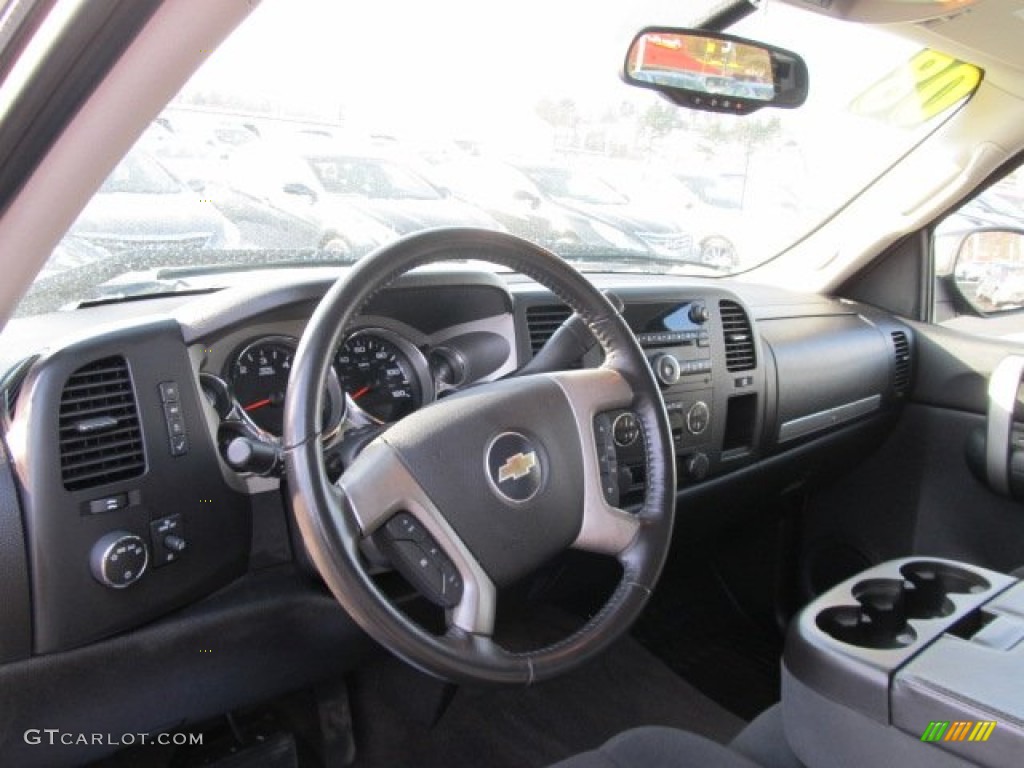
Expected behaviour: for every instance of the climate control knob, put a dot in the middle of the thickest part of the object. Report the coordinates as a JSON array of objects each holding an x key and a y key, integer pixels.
[
  {"x": 119, "y": 559},
  {"x": 666, "y": 368}
]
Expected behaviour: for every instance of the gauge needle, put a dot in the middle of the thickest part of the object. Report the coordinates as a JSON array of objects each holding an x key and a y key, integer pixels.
[
  {"x": 257, "y": 404},
  {"x": 360, "y": 392}
]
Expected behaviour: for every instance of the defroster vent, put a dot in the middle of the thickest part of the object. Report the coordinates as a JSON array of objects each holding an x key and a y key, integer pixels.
[
  {"x": 100, "y": 437},
  {"x": 543, "y": 321},
  {"x": 739, "y": 337}
]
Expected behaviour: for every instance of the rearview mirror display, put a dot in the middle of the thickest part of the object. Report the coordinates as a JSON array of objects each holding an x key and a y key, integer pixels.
[{"x": 715, "y": 72}]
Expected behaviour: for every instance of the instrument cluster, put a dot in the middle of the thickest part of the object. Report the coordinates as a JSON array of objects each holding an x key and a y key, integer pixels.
[{"x": 377, "y": 377}]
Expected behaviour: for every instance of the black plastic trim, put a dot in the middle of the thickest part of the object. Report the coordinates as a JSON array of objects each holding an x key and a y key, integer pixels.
[
  {"x": 85, "y": 52},
  {"x": 264, "y": 635},
  {"x": 69, "y": 607},
  {"x": 15, "y": 608}
]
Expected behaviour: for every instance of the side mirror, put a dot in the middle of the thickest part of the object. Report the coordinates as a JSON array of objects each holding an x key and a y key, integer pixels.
[
  {"x": 301, "y": 190},
  {"x": 715, "y": 72},
  {"x": 988, "y": 270}
]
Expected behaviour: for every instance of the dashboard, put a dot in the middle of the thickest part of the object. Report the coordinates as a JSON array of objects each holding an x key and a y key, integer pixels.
[{"x": 142, "y": 440}]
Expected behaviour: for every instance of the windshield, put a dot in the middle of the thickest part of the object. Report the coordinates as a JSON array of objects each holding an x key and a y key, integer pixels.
[
  {"x": 320, "y": 131},
  {"x": 140, "y": 175},
  {"x": 370, "y": 177},
  {"x": 575, "y": 185}
]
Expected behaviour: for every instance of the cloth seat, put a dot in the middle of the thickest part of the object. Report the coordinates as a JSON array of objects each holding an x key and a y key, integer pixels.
[{"x": 762, "y": 744}]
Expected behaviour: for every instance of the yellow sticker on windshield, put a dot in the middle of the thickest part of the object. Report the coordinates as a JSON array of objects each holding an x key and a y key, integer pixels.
[{"x": 913, "y": 93}]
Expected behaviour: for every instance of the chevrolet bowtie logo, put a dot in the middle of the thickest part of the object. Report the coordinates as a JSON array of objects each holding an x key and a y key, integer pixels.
[{"x": 517, "y": 466}]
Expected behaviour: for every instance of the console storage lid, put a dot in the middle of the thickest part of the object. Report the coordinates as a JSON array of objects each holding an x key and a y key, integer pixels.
[{"x": 973, "y": 674}]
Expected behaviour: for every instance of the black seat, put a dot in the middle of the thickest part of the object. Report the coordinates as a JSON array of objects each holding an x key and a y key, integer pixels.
[{"x": 762, "y": 744}]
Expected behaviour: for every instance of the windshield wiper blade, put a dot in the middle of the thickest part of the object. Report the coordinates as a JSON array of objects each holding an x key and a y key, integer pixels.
[
  {"x": 196, "y": 270},
  {"x": 120, "y": 299}
]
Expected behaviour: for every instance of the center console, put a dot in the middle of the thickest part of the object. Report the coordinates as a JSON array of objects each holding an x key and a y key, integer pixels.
[
  {"x": 704, "y": 354},
  {"x": 915, "y": 662}
]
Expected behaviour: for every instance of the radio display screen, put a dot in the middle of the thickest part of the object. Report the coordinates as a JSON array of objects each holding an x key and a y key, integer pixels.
[{"x": 661, "y": 318}]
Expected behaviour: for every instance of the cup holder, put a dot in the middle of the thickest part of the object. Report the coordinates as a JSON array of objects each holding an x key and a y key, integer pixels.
[
  {"x": 886, "y": 606},
  {"x": 879, "y": 622},
  {"x": 929, "y": 585}
]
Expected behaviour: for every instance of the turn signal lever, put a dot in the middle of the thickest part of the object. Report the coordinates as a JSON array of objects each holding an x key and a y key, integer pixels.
[
  {"x": 568, "y": 344},
  {"x": 244, "y": 454}
]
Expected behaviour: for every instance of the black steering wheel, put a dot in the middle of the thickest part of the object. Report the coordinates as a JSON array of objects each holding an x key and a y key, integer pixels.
[{"x": 501, "y": 477}]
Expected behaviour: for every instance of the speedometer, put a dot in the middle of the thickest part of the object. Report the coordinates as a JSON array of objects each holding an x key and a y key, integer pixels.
[{"x": 385, "y": 376}]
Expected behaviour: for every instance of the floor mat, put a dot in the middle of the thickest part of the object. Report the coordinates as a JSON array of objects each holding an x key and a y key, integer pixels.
[
  {"x": 527, "y": 727},
  {"x": 694, "y": 628}
]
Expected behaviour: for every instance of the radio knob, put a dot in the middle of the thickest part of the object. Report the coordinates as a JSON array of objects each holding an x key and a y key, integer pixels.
[
  {"x": 699, "y": 313},
  {"x": 119, "y": 559},
  {"x": 698, "y": 417},
  {"x": 666, "y": 368}
]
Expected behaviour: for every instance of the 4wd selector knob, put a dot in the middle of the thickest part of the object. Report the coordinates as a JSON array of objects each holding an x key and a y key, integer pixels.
[
  {"x": 119, "y": 559},
  {"x": 666, "y": 368}
]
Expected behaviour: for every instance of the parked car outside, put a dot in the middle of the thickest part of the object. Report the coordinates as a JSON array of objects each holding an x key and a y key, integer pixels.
[{"x": 141, "y": 206}]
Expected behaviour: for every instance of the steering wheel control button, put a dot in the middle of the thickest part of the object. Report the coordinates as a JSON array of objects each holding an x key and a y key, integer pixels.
[
  {"x": 514, "y": 467},
  {"x": 667, "y": 369},
  {"x": 168, "y": 540},
  {"x": 607, "y": 457},
  {"x": 626, "y": 429},
  {"x": 119, "y": 559},
  {"x": 698, "y": 418},
  {"x": 414, "y": 554}
]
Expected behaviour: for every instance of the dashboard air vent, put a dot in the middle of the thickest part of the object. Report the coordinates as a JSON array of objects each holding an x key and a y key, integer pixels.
[
  {"x": 100, "y": 436},
  {"x": 739, "y": 337},
  {"x": 11, "y": 397},
  {"x": 10, "y": 385},
  {"x": 543, "y": 321},
  {"x": 901, "y": 371}
]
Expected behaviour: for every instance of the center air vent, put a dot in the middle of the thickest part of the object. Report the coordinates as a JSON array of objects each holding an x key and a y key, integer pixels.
[
  {"x": 739, "y": 338},
  {"x": 543, "y": 321},
  {"x": 100, "y": 437},
  {"x": 901, "y": 370}
]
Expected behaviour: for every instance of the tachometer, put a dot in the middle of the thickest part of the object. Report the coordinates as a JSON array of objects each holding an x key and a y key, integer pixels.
[
  {"x": 259, "y": 378},
  {"x": 385, "y": 376}
]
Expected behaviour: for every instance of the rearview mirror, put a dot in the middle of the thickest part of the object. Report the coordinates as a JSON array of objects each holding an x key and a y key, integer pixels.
[{"x": 715, "y": 72}]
